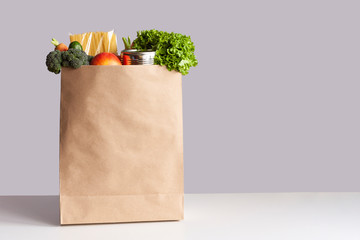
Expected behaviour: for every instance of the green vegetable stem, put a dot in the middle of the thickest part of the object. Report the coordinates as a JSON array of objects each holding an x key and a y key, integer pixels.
[
  {"x": 55, "y": 42},
  {"x": 127, "y": 43}
]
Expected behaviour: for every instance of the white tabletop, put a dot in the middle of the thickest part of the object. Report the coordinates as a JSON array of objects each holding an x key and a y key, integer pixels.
[{"x": 248, "y": 216}]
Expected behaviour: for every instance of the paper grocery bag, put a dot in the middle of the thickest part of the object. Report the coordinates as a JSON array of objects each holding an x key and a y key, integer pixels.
[{"x": 121, "y": 144}]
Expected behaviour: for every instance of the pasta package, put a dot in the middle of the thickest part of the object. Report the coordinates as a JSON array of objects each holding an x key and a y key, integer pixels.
[{"x": 96, "y": 42}]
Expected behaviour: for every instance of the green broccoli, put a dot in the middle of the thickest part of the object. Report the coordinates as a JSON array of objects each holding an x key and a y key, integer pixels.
[
  {"x": 74, "y": 58},
  {"x": 90, "y": 58},
  {"x": 53, "y": 61}
]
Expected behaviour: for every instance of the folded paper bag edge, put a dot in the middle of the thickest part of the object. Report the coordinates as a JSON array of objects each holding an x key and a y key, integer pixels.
[{"x": 122, "y": 209}]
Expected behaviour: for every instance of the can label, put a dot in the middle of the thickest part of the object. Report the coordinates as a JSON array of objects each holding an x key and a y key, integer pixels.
[{"x": 135, "y": 57}]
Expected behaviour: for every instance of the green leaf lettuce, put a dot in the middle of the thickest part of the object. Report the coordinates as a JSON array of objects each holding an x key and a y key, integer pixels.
[{"x": 173, "y": 50}]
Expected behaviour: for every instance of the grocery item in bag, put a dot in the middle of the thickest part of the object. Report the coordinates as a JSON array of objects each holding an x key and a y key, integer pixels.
[{"x": 96, "y": 42}]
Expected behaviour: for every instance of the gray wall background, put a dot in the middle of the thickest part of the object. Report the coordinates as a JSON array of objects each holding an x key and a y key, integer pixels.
[{"x": 272, "y": 107}]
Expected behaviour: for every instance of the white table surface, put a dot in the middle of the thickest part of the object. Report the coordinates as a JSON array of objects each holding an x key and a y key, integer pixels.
[{"x": 249, "y": 216}]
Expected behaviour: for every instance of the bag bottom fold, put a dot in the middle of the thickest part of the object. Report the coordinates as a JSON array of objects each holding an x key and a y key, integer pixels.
[{"x": 120, "y": 208}]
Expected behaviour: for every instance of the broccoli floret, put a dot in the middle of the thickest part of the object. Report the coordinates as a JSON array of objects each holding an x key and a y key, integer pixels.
[
  {"x": 65, "y": 63},
  {"x": 90, "y": 58},
  {"x": 74, "y": 58},
  {"x": 53, "y": 61}
]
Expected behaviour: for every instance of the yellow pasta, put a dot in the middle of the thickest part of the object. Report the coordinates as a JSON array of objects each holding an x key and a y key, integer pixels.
[{"x": 96, "y": 42}]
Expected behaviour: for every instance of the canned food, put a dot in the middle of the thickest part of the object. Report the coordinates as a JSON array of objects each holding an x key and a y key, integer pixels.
[{"x": 135, "y": 57}]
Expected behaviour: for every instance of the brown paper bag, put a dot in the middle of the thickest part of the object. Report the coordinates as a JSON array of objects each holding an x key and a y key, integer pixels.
[{"x": 121, "y": 144}]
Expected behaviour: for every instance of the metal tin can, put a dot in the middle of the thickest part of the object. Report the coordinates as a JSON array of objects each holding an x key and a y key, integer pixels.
[{"x": 135, "y": 57}]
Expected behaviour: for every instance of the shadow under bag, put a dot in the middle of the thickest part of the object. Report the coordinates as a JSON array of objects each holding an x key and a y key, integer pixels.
[{"x": 121, "y": 145}]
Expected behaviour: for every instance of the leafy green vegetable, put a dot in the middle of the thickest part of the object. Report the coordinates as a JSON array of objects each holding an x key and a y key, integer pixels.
[{"x": 174, "y": 50}]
